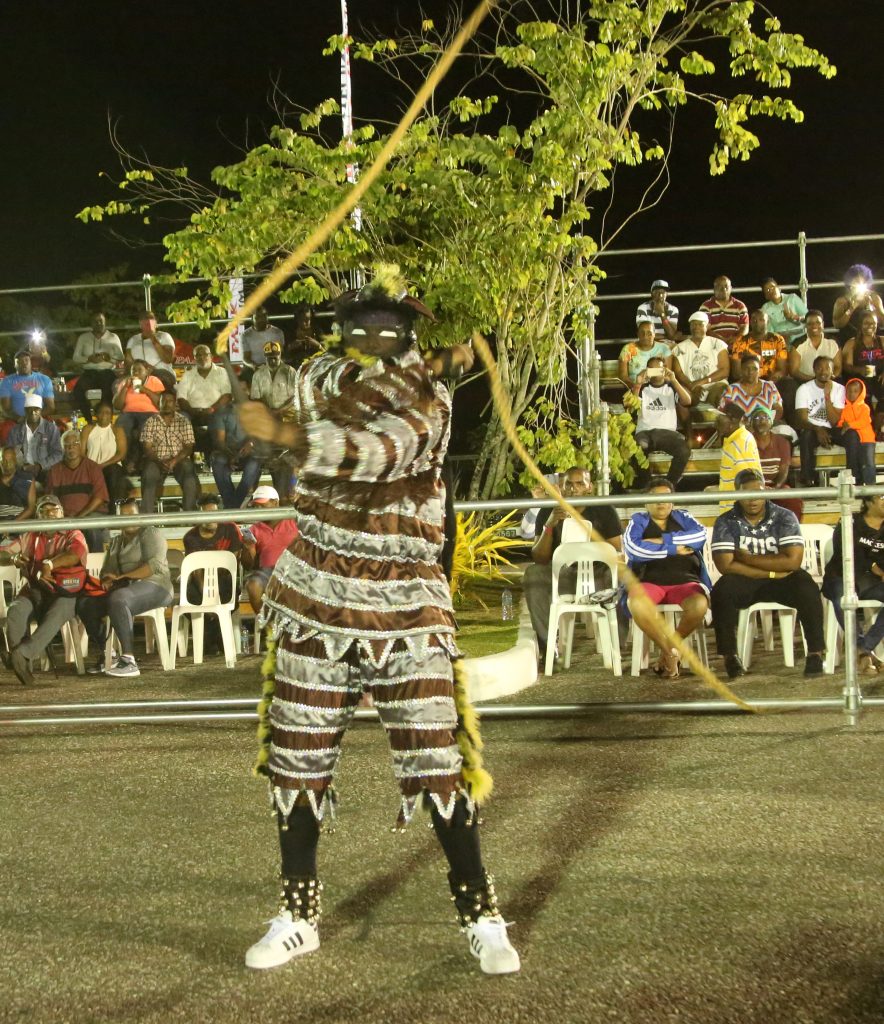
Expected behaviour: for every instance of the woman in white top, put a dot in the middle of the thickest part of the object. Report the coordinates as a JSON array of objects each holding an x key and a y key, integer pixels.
[{"x": 105, "y": 443}]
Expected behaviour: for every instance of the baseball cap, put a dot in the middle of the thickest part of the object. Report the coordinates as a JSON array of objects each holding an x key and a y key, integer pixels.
[
  {"x": 33, "y": 402},
  {"x": 265, "y": 493},
  {"x": 48, "y": 499},
  {"x": 699, "y": 315},
  {"x": 660, "y": 283},
  {"x": 272, "y": 346}
]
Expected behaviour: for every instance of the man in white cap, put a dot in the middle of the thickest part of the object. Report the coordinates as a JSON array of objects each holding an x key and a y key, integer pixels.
[
  {"x": 663, "y": 314},
  {"x": 701, "y": 362},
  {"x": 37, "y": 442},
  {"x": 263, "y": 543}
]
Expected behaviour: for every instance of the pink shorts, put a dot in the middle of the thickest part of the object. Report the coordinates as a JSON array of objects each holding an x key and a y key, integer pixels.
[{"x": 671, "y": 595}]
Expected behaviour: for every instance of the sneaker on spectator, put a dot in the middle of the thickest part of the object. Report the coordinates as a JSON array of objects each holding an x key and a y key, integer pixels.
[
  {"x": 126, "y": 666},
  {"x": 814, "y": 665}
]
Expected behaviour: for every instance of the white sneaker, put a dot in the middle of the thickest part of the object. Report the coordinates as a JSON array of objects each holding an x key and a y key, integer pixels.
[
  {"x": 285, "y": 939},
  {"x": 491, "y": 947},
  {"x": 126, "y": 666}
]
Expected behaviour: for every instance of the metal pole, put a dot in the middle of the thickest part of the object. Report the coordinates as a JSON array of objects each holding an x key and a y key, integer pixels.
[
  {"x": 852, "y": 695},
  {"x": 147, "y": 299},
  {"x": 594, "y": 363},
  {"x": 604, "y": 449},
  {"x": 802, "y": 265}
]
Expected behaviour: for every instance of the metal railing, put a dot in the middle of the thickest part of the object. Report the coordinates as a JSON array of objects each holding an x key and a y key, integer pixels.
[{"x": 851, "y": 703}]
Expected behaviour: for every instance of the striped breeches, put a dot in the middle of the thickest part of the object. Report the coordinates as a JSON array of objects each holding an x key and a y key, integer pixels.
[{"x": 314, "y": 700}]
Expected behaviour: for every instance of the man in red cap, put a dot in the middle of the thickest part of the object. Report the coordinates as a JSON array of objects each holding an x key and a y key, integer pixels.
[{"x": 263, "y": 543}]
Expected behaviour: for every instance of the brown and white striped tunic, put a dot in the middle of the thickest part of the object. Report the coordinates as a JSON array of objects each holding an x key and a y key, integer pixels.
[{"x": 359, "y": 599}]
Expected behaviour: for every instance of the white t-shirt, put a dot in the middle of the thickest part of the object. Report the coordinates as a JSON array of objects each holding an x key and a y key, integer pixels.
[
  {"x": 658, "y": 408},
  {"x": 698, "y": 361},
  {"x": 811, "y": 396},
  {"x": 202, "y": 392},
  {"x": 88, "y": 347},
  {"x": 253, "y": 342},
  {"x": 144, "y": 349}
]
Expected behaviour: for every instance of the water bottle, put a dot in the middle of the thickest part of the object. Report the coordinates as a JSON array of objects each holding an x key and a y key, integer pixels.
[
  {"x": 506, "y": 605},
  {"x": 244, "y": 640},
  {"x": 75, "y": 419}
]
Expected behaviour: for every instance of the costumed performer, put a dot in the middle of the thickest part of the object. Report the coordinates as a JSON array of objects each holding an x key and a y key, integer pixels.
[{"x": 359, "y": 602}]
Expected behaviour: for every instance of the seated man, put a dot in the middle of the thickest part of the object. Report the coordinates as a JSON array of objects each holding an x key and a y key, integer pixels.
[
  {"x": 274, "y": 384},
  {"x": 136, "y": 400},
  {"x": 818, "y": 406},
  {"x": 258, "y": 336},
  {"x": 263, "y": 543},
  {"x": 54, "y": 567},
  {"x": 728, "y": 316},
  {"x": 738, "y": 449},
  {"x": 153, "y": 347},
  {"x": 15, "y": 388},
  {"x": 135, "y": 577},
  {"x": 37, "y": 442},
  {"x": 79, "y": 485},
  {"x": 701, "y": 362},
  {"x": 212, "y": 537},
  {"x": 775, "y": 453},
  {"x": 168, "y": 442},
  {"x": 656, "y": 430},
  {"x": 662, "y": 314},
  {"x": 785, "y": 313},
  {"x": 96, "y": 353},
  {"x": 18, "y": 492},
  {"x": 773, "y": 358},
  {"x": 232, "y": 451},
  {"x": 537, "y": 580},
  {"x": 203, "y": 391},
  {"x": 758, "y": 549}
]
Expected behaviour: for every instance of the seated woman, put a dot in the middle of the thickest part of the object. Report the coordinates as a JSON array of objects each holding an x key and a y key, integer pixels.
[
  {"x": 857, "y": 299},
  {"x": 868, "y": 564},
  {"x": 105, "y": 443},
  {"x": 135, "y": 575},
  {"x": 751, "y": 392},
  {"x": 863, "y": 356},
  {"x": 634, "y": 355},
  {"x": 663, "y": 547}
]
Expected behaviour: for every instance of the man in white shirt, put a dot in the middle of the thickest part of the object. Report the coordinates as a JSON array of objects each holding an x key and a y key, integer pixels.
[
  {"x": 203, "y": 390},
  {"x": 818, "y": 406},
  {"x": 662, "y": 314},
  {"x": 257, "y": 336},
  {"x": 156, "y": 348},
  {"x": 701, "y": 363},
  {"x": 95, "y": 355},
  {"x": 656, "y": 430}
]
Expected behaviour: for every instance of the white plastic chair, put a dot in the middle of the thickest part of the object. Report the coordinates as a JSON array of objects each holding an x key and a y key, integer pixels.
[
  {"x": 817, "y": 549},
  {"x": 641, "y": 644},
  {"x": 9, "y": 577},
  {"x": 586, "y": 554},
  {"x": 211, "y": 563}
]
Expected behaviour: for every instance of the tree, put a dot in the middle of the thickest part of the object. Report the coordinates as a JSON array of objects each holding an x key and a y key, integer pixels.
[{"x": 489, "y": 211}]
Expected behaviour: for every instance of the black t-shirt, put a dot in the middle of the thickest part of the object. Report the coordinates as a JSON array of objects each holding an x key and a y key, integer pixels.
[
  {"x": 603, "y": 518},
  {"x": 671, "y": 571},
  {"x": 225, "y": 538}
]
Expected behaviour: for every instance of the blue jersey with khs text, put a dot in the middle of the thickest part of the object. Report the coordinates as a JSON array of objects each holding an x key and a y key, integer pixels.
[{"x": 777, "y": 529}]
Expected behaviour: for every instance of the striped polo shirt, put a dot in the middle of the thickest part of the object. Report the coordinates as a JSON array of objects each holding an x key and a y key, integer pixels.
[
  {"x": 726, "y": 322},
  {"x": 738, "y": 451}
]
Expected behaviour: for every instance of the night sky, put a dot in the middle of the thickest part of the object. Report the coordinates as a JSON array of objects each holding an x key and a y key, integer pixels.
[{"x": 188, "y": 83}]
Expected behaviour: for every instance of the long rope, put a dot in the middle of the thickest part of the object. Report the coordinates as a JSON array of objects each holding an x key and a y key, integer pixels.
[
  {"x": 634, "y": 588},
  {"x": 277, "y": 277}
]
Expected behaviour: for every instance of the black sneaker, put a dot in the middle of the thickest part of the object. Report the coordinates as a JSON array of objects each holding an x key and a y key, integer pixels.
[
  {"x": 21, "y": 667},
  {"x": 814, "y": 665},
  {"x": 733, "y": 666}
]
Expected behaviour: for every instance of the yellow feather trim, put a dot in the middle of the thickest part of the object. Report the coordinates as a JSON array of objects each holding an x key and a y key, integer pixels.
[
  {"x": 477, "y": 780},
  {"x": 268, "y": 685}
]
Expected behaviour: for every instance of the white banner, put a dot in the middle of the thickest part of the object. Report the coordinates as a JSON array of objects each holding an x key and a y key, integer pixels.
[
  {"x": 236, "y": 301},
  {"x": 347, "y": 109}
]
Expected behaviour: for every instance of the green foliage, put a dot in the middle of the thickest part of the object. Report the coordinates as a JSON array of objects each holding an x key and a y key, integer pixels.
[
  {"x": 492, "y": 220},
  {"x": 478, "y": 553}
]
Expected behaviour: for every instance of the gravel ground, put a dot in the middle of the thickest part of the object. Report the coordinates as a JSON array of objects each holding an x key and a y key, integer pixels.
[{"x": 658, "y": 867}]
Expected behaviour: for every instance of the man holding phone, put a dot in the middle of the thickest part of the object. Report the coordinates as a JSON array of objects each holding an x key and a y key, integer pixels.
[
  {"x": 660, "y": 394},
  {"x": 154, "y": 347}
]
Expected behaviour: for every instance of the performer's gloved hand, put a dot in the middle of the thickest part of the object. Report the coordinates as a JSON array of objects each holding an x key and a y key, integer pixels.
[{"x": 262, "y": 425}]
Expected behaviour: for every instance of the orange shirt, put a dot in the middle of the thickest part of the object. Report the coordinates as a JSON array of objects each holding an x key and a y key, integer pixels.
[
  {"x": 138, "y": 402},
  {"x": 769, "y": 350}
]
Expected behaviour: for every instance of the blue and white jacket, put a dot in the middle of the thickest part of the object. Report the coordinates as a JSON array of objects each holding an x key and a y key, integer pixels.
[{"x": 690, "y": 534}]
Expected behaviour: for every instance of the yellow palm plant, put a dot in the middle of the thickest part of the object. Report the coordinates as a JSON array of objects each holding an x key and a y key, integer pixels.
[{"x": 478, "y": 552}]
